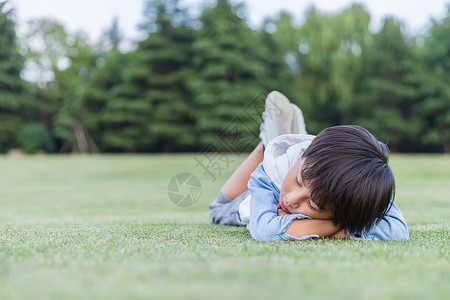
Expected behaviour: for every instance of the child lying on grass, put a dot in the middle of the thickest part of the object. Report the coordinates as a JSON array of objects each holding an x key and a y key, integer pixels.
[{"x": 296, "y": 186}]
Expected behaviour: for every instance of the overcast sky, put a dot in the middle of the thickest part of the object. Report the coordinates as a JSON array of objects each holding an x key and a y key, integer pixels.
[{"x": 94, "y": 16}]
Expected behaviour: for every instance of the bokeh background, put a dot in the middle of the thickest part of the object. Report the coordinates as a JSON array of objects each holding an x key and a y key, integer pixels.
[{"x": 186, "y": 74}]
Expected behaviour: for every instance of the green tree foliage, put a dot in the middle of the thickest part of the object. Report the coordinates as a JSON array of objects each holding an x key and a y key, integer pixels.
[
  {"x": 64, "y": 65},
  {"x": 69, "y": 120},
  {"x": 286, "y": 39},
  {"x": 98, "y": 97},
  {"x": 277, "y": 74},
  {"x": 33, "y": 137},
  {"x": 435, "y": 85},
  {"x": 285, "y": 33},
  {"x": 197, "y": 82},
  {"x": 151, "y": 108},
  {"x": 167, "y": 52},
  {"x": 229, "y": 75},
  {"x": 104, "y": 79},
  {"x": 388, "y": 97},
  {"x": 15, "y": 101},
  {"x": 329, "y": 55}
]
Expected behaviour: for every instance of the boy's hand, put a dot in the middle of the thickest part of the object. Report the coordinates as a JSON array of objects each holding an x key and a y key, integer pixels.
[
  {"x": 341, "y": 234},
  {"x": 280, "y": 211}
]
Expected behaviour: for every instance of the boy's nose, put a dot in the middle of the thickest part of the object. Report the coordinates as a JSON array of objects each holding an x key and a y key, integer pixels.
[{"x": 290, "y": 202}]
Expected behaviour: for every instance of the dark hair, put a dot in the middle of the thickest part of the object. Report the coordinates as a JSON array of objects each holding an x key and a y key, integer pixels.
[{"x": 346, "y": 167}]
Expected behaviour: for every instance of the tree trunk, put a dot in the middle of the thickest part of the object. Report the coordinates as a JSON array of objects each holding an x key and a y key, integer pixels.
[
  {"x": 85, "y": 142},
  {"x": 91, "y": 143},
  {"x": 167, "y": 145},
  {"x": 446, "y": 146},
  {"x": 80, "y": 137}
]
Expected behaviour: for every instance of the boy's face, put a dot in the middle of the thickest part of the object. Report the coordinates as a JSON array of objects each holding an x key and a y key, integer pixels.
[{"x": 295, "y": 196}]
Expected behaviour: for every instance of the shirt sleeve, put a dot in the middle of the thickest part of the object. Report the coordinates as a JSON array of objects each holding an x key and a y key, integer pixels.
[
  {"x": 391, "y": 227},
  {"x": 265, "y": 224}
]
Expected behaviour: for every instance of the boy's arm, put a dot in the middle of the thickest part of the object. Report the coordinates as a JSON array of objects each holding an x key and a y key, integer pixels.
[
  {"x": 341, "y": 234},
  {"x": 322, "y": 228},
  {"x": 391, "y": 227}
]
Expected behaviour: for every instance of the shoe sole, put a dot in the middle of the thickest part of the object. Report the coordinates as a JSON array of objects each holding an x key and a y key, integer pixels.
[
  {"x": 280, "y": 111},
  {"x": 298, "y": 122}
]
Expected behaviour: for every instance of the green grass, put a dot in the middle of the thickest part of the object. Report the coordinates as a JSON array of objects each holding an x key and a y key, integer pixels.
[{"x": 103, "y": 227}]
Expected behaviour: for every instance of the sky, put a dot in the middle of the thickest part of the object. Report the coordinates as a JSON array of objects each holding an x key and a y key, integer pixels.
[{"x": 95, "y": 16}]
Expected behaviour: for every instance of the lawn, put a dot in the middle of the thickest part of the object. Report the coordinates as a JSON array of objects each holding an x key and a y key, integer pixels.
[{"x": 103, "y": 227}]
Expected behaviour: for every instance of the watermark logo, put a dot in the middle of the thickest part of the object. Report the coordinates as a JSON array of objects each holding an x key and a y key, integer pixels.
[
  {"x": 212, "y": 161},
  {"x": 255, "y": 107},
  {"x": 184, "y": 189},
  {"x": 238, "y": 136}
]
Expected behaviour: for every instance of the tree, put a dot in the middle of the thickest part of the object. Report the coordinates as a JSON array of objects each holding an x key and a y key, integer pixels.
[
  {"x": 228, "y": 77},
  {"x": 435, "y": 85},
  {"x": 103, "y": 80},
  {"x": 388, "y": 96},
  {"x": 329, "y": 58},
  {"x": 114, "y": 36},
  {"x": 274, "y": 58},
  {"x": 16, "y": 104},
  {"x": 151, "y": 109},
  {"x": 167, "y": 52},
  {"x": 63, "y": 67}
]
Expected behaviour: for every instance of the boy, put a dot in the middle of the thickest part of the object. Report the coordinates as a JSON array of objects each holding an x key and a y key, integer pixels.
[{"x": 337, "y": 184}]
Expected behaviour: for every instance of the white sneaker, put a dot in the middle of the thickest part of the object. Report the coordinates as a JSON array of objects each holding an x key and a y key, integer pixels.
[
  {"x": 277, "y": 117},
  {"x": 298, "y": 123}
]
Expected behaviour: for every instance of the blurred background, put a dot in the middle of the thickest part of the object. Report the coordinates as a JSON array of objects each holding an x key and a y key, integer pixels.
[{"x": 171, "y": 76}]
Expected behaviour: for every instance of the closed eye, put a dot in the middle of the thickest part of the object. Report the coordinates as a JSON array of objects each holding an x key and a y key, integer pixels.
[
  {"x": 312, "y": 207},
  {"x": 298, "y": 182},
  {"x": 315, "y": 207}
]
